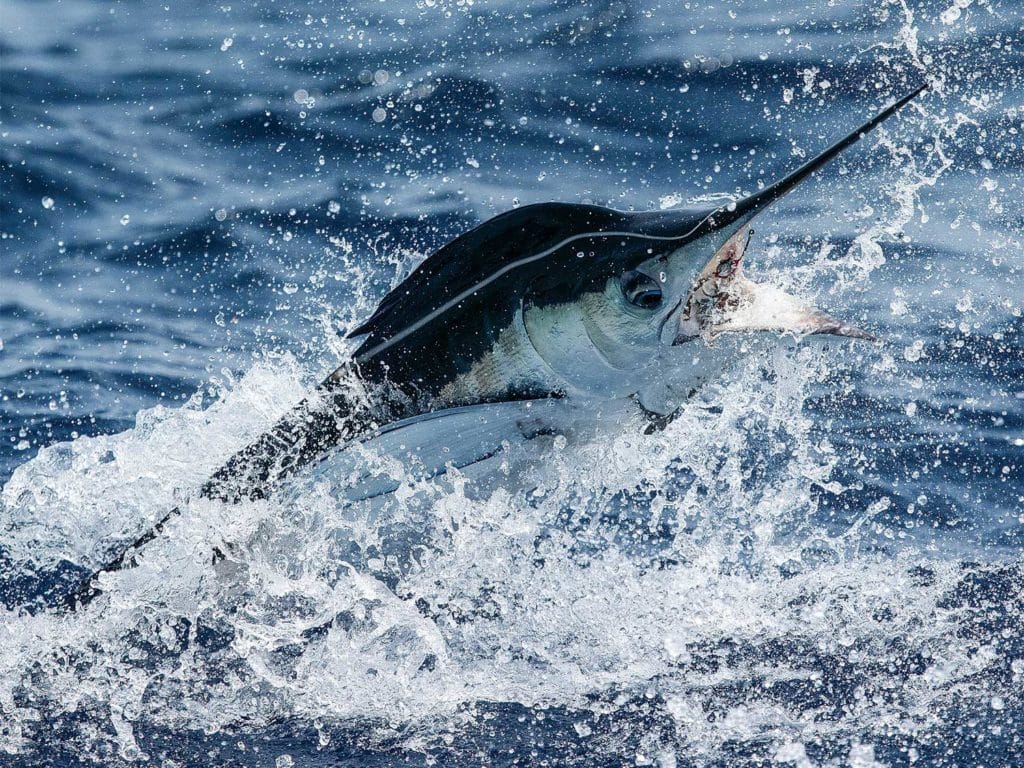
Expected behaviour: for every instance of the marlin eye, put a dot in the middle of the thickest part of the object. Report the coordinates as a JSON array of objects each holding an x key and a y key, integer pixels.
[{"x": 641, "y": 290}]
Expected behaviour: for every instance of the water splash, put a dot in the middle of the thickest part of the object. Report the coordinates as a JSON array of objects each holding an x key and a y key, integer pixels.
[
  {"x": 672, "y": 595},
  {"x": 642, "y": 574}
]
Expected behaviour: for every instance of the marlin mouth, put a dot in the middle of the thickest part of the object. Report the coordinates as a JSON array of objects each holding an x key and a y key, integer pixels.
[{"x": 724, "y": 300}]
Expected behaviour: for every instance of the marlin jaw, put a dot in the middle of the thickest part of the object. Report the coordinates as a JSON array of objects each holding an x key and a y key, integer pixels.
[{"x": 724, "y": 300}]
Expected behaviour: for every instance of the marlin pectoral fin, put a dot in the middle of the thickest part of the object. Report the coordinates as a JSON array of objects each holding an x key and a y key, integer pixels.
[{"x": 428, "y": 446}]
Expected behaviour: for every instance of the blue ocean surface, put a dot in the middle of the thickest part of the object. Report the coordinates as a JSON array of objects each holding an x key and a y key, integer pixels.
[{"x": 819, "y": 563}]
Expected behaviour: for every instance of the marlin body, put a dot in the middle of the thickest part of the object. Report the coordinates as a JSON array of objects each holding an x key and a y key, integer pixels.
[{"x": 552, "y": 316}]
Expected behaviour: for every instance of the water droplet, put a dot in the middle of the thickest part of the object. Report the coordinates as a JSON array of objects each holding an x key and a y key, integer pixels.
[
  {"x": 228, "y": 42},
  {"x": 47, "y": 203},
  {"x": 220, "y": 214},
  {"x": 291, "y": 288},
  {"x": 670, "y": 201},
  {"x": 914, "y": 352},
  {"x": 582, "y": 729},
  {"x": 333, "y": 206},
  {"x": 125, "y": 219},
  {"x": 379, "y": 115}
]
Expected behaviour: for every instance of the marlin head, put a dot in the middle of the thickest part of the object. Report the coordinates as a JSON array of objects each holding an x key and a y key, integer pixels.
[
  {"x": 722, "y": 299},
  {"x": 675, "y": 279}
]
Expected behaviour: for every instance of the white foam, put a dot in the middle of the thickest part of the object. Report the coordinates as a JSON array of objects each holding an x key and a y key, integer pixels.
[{"x": 530, "y": 595}]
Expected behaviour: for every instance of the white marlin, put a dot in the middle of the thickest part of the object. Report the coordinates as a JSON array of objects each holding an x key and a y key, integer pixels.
[{"x": 588, "y": 307}]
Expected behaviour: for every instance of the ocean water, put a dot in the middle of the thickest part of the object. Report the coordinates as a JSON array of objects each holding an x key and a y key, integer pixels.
[{"x": 819, "y": 563}]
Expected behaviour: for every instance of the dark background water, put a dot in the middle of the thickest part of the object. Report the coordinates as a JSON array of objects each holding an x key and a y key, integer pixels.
[{"x": 186, "y": 188}]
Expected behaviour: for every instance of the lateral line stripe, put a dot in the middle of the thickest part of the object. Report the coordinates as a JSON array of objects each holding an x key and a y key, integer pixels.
[{"x": 405, "y": 332}]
